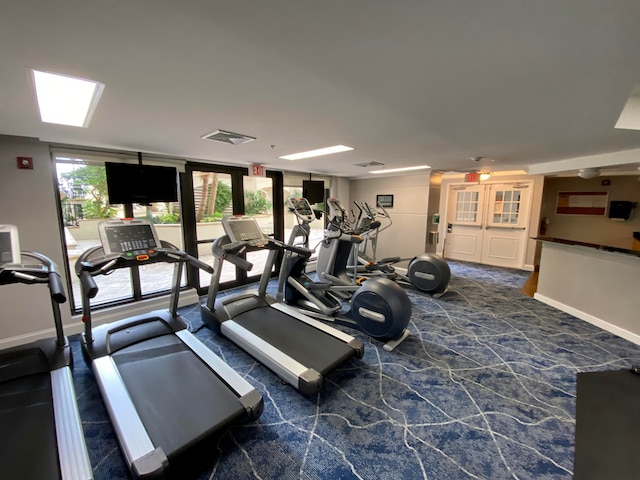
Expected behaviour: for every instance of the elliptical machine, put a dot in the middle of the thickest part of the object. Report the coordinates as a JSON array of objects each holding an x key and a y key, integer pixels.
[
  {"x": 378, "y": 307},
  {"x": 426, "y": 272}
]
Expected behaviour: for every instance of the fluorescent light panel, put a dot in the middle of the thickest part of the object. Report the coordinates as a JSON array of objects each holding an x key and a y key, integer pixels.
[
  {"x": 317, "y": 153},
  {"x": 403, "y": 169},
  {"x": 66, "y": 100}
]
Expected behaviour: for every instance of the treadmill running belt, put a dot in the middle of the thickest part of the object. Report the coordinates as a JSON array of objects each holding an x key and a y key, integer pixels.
[
  {"x": 302, "y": 342},
  {"x": 179, "y": 399},
  {"x": 28, "y": 445}
]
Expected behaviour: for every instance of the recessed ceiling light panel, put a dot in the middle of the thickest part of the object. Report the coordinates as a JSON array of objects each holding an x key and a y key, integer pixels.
[
  {"x": 403, "y": 169},
  {"x": 66, "y": 100},
  {"x": 317, "y": 153}
]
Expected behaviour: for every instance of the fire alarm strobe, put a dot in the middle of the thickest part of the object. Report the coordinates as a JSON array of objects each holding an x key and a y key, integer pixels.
[{"x": 25, "y": 163}]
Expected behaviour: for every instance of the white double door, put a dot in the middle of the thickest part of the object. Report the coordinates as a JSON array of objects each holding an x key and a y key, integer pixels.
[{"x": 488, "y": 223}]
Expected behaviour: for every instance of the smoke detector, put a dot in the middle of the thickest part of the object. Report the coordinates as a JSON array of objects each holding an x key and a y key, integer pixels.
[{"x": 228, "y": 137}]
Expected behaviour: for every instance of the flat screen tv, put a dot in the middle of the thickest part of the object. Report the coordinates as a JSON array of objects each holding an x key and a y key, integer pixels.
[
  {"x": 313, "y": 191},
  {"x": 143, "y": 184}
]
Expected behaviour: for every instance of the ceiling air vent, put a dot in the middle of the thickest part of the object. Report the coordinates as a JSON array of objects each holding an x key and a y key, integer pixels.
[
  {"x": 369, "y": 164},
  {"x": 228, "y": 137}
]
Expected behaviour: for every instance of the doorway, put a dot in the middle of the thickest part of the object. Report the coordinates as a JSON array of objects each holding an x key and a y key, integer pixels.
[
  {"x": 488, "y": 223},
  {"x": 211, "y": 192}
]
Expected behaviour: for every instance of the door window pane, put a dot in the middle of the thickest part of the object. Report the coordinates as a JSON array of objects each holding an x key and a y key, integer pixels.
[
  {"x": 258, "y": 203},
  {"x": 506, "y": 207},
  {"x": 212, "y": 197},
  {"x": 467, "y": 207}
]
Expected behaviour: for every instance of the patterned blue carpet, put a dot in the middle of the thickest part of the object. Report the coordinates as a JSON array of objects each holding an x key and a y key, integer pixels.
[{"x": 483, "y": 388}]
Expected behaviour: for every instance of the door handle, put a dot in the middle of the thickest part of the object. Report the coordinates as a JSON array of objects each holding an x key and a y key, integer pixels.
[{"x": 505, "y": 228}]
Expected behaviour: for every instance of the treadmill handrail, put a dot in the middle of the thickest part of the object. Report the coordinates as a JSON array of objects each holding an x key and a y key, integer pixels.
[
  {"x": 45, "y": 272},
  {"x": 94, "y": 262}
]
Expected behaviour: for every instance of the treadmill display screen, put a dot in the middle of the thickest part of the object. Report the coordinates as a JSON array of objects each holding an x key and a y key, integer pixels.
[
  {"x": 6, "y": 255},
  {"x": 244, "y": 229},
  {"x": 129, "y": 238}
]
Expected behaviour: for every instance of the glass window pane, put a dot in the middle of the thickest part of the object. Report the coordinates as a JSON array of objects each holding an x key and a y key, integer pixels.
[
  {"x": 258, "y": 203},
  {"x": 158, "y": 277},
  {"x": 212, "y": 194},
  {"x": 84, "y": 203}
]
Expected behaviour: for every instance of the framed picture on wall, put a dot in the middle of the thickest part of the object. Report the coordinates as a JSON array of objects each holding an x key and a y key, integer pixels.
[{"x": 385, "y": 201}]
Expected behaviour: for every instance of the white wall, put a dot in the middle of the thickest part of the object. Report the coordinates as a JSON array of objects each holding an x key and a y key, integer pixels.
[
  {"x": 597, "y": 286},
  {"x": 28, "y": 201},
  {"x": 408, "y": 234}
]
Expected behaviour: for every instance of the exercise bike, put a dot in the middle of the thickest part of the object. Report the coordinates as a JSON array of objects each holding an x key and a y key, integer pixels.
[
  {"x": 426, "y": 272},
  {"x": 378, "y": 307}
]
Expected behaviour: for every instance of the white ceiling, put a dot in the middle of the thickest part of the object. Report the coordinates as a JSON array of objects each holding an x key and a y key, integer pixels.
[{"x": 405, "y": 82}]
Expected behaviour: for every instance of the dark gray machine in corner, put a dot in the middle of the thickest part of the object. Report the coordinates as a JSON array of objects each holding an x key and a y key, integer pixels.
[
  {"x": 42, "y": 434},
  {"x": 167, "y": 394},
  {"x": 297, "y": 348}
]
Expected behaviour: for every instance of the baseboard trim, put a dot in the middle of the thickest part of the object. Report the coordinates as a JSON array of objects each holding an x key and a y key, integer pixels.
[
  {"x": 598, "y": 322},
  {"x": 189, "y": 297}
]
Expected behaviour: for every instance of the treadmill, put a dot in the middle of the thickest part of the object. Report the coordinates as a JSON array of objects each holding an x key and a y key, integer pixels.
[
  {"x": 297, "y": 348},
  {"x": 168, "y": 396},
  {"x": 42, "y": 435}
]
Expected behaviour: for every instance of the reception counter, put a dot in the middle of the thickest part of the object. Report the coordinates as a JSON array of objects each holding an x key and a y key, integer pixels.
[{"x": 596, "y": 283}]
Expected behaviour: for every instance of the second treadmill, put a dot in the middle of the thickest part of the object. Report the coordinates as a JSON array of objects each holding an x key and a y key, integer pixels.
[{"x": 299, "y": 349}]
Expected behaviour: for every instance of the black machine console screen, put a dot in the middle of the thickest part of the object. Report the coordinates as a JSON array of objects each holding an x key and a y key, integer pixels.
[
  {"x": 244, "y": 230},
  {"x": 301, "y": 205},
  {"x": 137, "y": 239}
]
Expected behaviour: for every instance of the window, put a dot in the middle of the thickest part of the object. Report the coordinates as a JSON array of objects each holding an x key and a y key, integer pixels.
[
  {"x": 84, "y": 202},
  {"x": 467, "y": 207}
]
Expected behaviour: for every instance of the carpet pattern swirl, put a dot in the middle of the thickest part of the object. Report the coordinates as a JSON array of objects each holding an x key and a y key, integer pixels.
[{"x": 484, "y": 388}]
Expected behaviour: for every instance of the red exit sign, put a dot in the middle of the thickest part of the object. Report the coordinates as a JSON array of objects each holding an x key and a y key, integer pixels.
[
  {"x": 472, "y": 177},
  {"x": 257, "y": 170}
]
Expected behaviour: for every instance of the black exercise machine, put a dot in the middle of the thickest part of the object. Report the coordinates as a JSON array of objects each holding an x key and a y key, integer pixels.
[
  {"x": 299, "y": 349},
  {"x": 426, "y": 272},
  {"x": 166, "y": 393},
  {"x": 377, "y": 307},
  {"x": 42, "y": 435}
]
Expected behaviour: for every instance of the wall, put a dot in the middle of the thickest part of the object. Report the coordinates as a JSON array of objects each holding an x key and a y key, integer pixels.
[
  {"x": 587, "y": 228},
  {"x": 596, "y": 286},
  {"x": 29, "y": 201},
  {"x": 408, "y": 234}
]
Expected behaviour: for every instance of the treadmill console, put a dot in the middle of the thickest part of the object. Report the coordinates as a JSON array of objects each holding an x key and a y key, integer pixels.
[
  {"x": 132, "y": 238},
  {"x": 244, "y": 229},
  {"x": 9, "y": 244},
  {"x": 302, "y": 209}
]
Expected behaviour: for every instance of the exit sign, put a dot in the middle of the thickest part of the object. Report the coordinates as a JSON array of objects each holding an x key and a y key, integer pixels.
[
  {"x": 257, "y": 170},
  {"x": 472, "y": 177}
]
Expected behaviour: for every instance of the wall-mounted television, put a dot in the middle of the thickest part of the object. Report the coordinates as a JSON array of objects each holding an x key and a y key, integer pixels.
[
  {"x": 143, "y": 184},
  {"x": 313, "y": 191}
]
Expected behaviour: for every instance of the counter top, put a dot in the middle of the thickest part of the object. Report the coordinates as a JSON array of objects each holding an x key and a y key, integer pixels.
[{"x": 605, "y": 248}]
